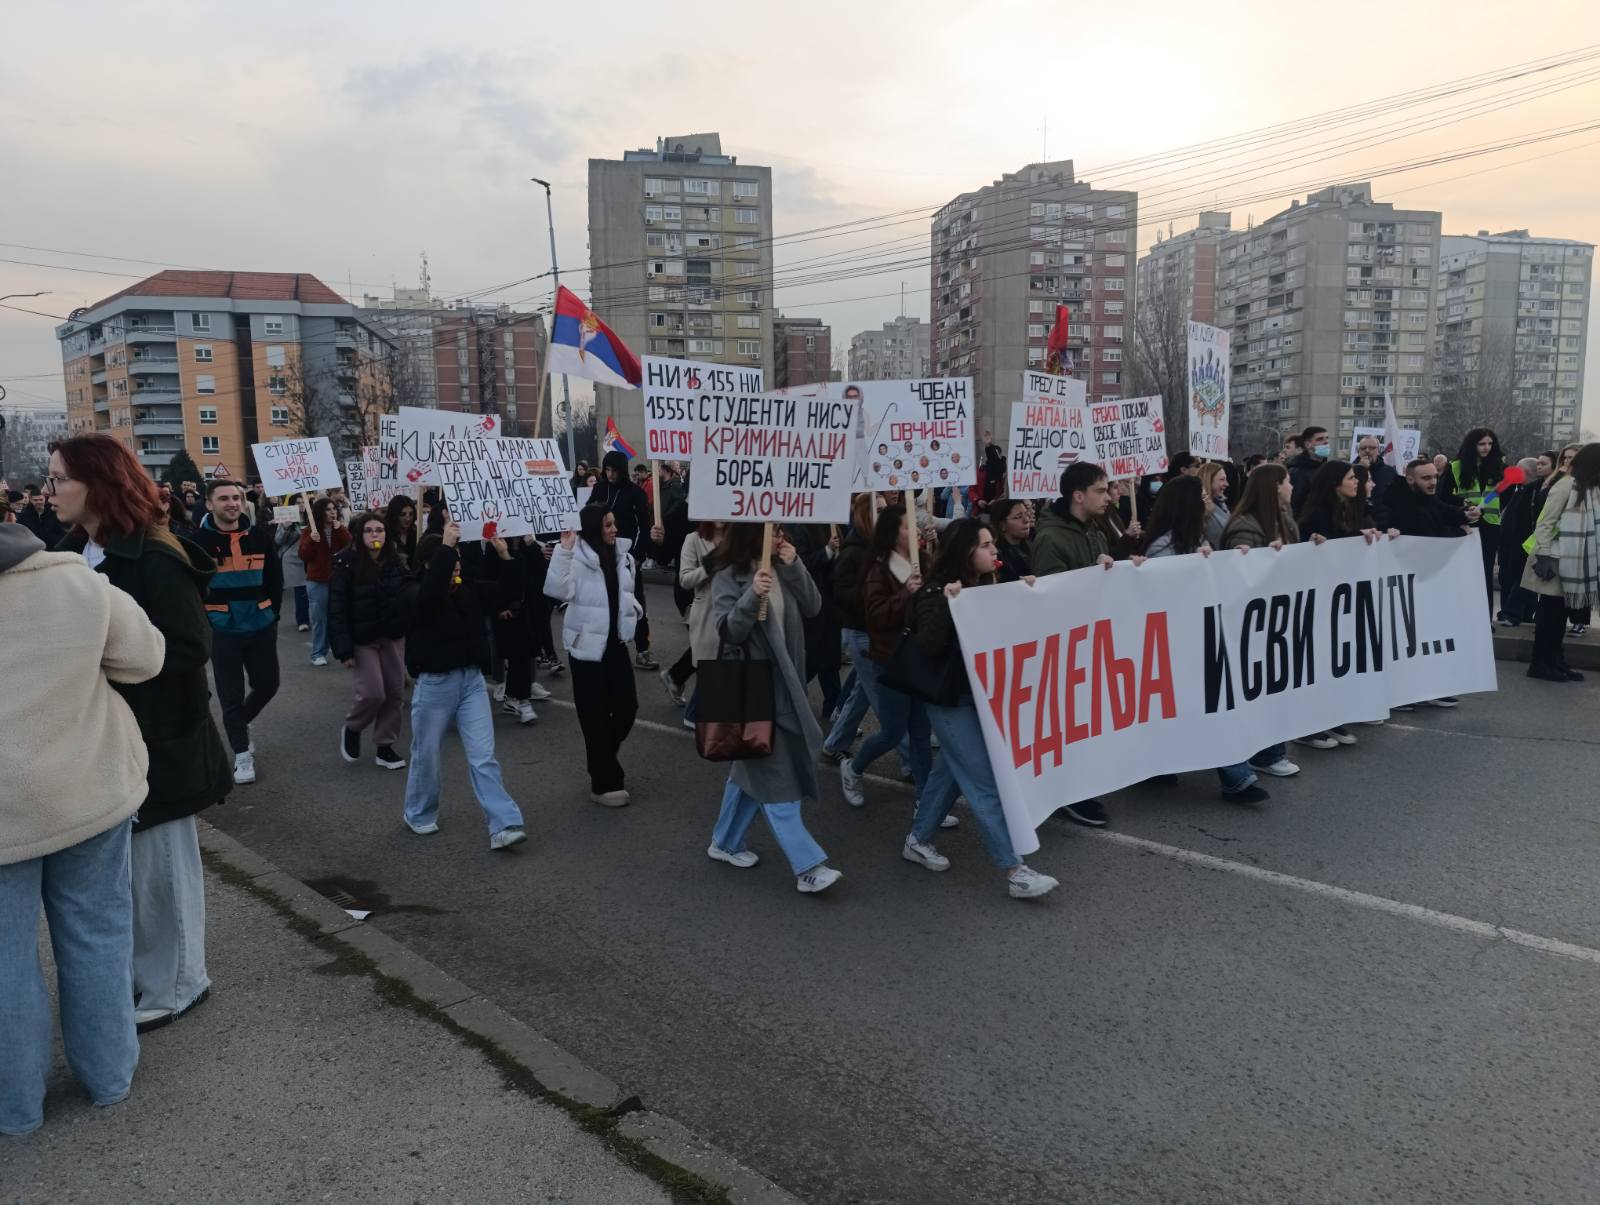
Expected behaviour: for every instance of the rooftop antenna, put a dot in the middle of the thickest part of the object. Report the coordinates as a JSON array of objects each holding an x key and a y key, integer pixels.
[{"x": 427, "y": 281}]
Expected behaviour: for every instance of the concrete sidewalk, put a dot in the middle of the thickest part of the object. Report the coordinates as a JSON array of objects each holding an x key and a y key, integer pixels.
[{"x": 336, "y": 1066}]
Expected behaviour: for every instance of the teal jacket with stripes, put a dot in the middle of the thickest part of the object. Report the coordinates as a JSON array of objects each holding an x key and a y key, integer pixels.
[{"x": 247, "y": 591}]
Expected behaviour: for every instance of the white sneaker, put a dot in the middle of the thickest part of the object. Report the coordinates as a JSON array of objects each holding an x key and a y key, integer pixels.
[
  {"x": 744, "y": 859},
  {"x": 923, "y": 854},
  {"x": 538, "y": 693},
  {"x": 422, "y": 830},
  {"x": 1317, "y": 740},
  {"x": 674, "y": 691},
  {"x": 520, "y": 708},
  {"x": 244, "y": 768},
  {"x": 1343, "y": 735},
  {"x": 507, "y": 837},
  {"x": 688, "y": 723},
  {"x": 819, "y": 878},
  {"x": 1282, "y": 768},
  {"x": 850, "y": 784},
  {"x": 1025, "y": 883},
  {"x": 497, "y": 691},
  {"x": 951, "y": 820},
  {"x": 319, "y": 660}
]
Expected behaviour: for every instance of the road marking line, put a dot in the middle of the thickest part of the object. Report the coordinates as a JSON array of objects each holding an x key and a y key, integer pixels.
[{"x": 1358, "y": 899}]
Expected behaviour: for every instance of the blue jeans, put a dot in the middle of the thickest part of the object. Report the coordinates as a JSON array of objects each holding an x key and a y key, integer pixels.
[
  {"x": 302, "y": 606},
  {"x": 436, "y": 700},
  {"x": 1269, "y": 755},
  {"x": 317, "y": 597},
  {"x": 963, "y": 769},
  {"x": 739, "y": 812},
  {"x": 89, "y": 904},
  {"x": 853, "y": 709},
  {"x": 1236, "y": 778},
  {"x": 899, "y": 716}
]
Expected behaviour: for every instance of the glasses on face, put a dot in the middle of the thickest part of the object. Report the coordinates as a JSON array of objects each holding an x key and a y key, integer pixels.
[{"x": 51, "y": 481}]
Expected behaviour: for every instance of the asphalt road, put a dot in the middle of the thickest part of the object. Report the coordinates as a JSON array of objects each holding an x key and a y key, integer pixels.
[{"x": 1173, "y": 1025}]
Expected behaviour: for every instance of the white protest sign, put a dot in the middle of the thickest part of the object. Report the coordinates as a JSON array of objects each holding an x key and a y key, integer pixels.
[
  {"x": 764, "y": 456},
  {"x": 1410, "y": 442},
  {"x": 1210, "y": 391},
  {"x": 1130, "y": 437},
  {"x": 292, "y": 466},
  {"x": 1045, "y": 438},
  {"x": 1091, "y": 680},
  {"x": 383, "y": 473},
  {"x": 675, "y": 395},
  {"x": 504, "y": 487},
  {"x": 917, "y": 433},
  {"x": 417, "y": 429},
  {"x": 286, "y": 514},
  {"x": 356, "y": 484}
]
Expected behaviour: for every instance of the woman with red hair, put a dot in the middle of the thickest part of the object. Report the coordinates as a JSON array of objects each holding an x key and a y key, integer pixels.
[{"x": 118, "y": 525}]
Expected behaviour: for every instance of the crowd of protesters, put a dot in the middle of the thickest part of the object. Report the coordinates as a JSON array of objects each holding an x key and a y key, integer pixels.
[{"x": 138, "y": 588}]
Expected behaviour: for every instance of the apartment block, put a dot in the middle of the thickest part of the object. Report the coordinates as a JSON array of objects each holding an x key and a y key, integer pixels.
[
  {"x": 1181, "y": 269},
  {"x": 680, "y": 259},
  {"x": 901, "y": 351},
  {"x": 802, "y": 352},
  {"x": 459, "y": 356},
  {"x": 1005, "y": 256},
  {"x": 1330, "y": 307},
  {"x": 211, "y": 362},
  {"x": 1512, "y": 312}
]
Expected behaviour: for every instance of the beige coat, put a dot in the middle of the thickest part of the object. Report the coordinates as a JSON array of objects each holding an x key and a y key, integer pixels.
[
  {"x": 693, "y": 574},
  {"x": 1547, "y": 539},
  {"x": 72, "y": 762}
]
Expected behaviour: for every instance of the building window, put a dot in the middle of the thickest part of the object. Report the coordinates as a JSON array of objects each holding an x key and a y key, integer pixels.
[
  {"x": 1035, "y": 307},
  {"x": 654, "y": 186},
  {"x": 1111, "y": 307},
  {"x": 1116, "y": 236},
  {"x": 275, "y": 355},
  {"x": 1116, "y": 211},
  {"x": 811, "y": 343},
  {"x": 272, "y": 324},
  {"x": 202, "y": 353},
  {"x": 705, "y": 347},
  {"x": 749, "y": 296},
  {"x": 657, "y": 242},
  {"x": 210, "y": 445},
  {"x": 205, "y": 384},
  {"x": 749, "y": 322},
  {"x": 701, "y": 188},
  {"x": 746, "y": 217},
  {"x": 671, "y": 213},
  {"x": 1036, "y": 330},
  {"x": 1035, "y": 355},
  {"x": 208, "y": 415},
  {"x": 1116, "y": 261},
  {"x": 746, "y": 188},
  {"x": 749, "y": 347},
  {"x": 1111, "y": 355},
  {"x": 652, "y": 213},
  {"x": 200, "y": 322},
  {"x": 1113, "y": 284},
  {"x": 277, "y": 385},
  {"x": 746, "y": 269},
  {"x": 743, "y": 240},
  {"x": 280, "y": 416}
]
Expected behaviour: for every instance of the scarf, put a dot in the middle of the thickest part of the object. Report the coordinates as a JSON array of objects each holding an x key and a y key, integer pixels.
[
  {"x": 1579, "y": 551},
  {"x": 900, "y": 567}
]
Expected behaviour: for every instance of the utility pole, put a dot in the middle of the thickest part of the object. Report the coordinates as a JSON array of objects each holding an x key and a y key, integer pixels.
[{"x": 555, "y": 272}]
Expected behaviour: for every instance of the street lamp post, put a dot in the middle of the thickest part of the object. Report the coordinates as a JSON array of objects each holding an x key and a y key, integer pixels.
[{"x": 555, "y": 272}]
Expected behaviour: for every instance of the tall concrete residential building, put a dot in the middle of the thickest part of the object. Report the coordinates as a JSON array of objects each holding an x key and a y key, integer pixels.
[
  {"x": 1184, "y": 268},
  {"x": 680, "y": 260},
  {"x": 1512, "y": 311},
  {"x": 211, "y": 362},
  {"x": 1005, "y": 255},
  {"x": 1330, "y": 305},
  {"x": 802, "y": 352},
  {"x": 901, "y": 351},
  {"x": 459, "y": 356}
]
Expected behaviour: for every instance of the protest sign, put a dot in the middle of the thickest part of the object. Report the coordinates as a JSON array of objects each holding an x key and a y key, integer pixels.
[
  {"x": 1410, "y": 442},
  {"x": 504, "y": 487},
  {"x": 1210, "y": 391},
  {"x": 916, "y": 433},
  {"x": 1130, "y": 437},
  {"x": 764, "y": 457},
  {"x": 676, "y": 394},
  {"x": 383, "y": 473},
  {"x": 1094, "y": 679},
  {"x": 417, "y": 429},
  {"x": 291, "y": 466},
  {"x": 286, "y": 514},
  {"x": 356, "y": 484},
  {"x": 1045, "y": 438}
]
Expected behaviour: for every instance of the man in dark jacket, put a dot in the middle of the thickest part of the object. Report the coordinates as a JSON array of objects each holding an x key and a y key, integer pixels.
[
  {"x": 1369, "y": 452},
  {"x": 447, "y": 651},
  {"x": 628, "y": 503},
  {"x": 39, "y": 517},
  {"x": 246, "y": 596},
  {"x": 1314, "y": 452},
  {"x": 1416, "y": 509}
]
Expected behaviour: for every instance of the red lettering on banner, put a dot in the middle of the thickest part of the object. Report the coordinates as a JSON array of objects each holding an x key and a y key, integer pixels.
[
  {"x": 1076, "y": 676},
  {"x": 1117, "y": 675},
  {"x": 1047, "y": 712},
  {"x": 1020, "y": 694},
  {"x": 1156, "y": 676}
]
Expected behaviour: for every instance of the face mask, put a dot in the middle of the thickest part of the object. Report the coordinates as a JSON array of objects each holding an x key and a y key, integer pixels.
[
  {"x": 1155, "y": 487},
  {"x": 1321, "y": 451}
]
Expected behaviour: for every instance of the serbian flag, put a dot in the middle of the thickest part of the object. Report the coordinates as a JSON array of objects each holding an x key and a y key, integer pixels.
[
  {"x": 1057, "y": 359},
  {"x": 583, "y": 346},
  {"x": 612, "y": 441}
]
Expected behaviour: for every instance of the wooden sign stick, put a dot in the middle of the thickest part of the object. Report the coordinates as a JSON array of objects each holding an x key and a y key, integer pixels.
[{"x": 766, "y": 563}]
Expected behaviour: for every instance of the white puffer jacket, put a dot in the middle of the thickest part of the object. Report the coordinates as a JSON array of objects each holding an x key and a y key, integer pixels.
[{"x": 575, "y": 578}]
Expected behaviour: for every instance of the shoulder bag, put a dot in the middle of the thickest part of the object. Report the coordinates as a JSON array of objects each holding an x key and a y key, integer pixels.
[{"x": 735, "y": 704}]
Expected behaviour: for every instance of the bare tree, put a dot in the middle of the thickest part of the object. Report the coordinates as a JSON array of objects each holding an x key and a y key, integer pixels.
[
  {"x": 1477, "y": 388},
  {"x": 1161, "y": 349}
]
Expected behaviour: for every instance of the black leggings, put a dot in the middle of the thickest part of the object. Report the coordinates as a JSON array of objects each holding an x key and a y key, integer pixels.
[{"x": 607, "y": 700}]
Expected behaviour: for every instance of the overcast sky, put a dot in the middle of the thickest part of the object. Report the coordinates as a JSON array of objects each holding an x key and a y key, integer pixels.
[{"x": 343, "y": 139}]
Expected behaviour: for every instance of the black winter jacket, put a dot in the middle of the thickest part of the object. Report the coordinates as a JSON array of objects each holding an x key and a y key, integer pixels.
[
  {"x": 810, "y": 542},
  {"x": 363, "y": 612},
  {"x": 848, "y": 567},
  {"x": 627, "y": 502},
  {"x": 445, "y": 620},
  {"x": 1417, "y": 514}
]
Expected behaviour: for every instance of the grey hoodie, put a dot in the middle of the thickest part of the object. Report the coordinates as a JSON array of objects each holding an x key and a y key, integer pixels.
[{"x": 17, "y": 544}]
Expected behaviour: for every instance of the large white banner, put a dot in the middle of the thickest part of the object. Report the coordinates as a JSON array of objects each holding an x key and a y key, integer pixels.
[
  {"x": 916, "y": 433},
  {"x": 677, "y": 394},
  {"x": 766, "y": 456},
  {"x": 1092, "y": 680},
  {"x": 418, "y": 428},
  {"x": 504, "y": 487},
  {"x": 1210, "y": 391}
]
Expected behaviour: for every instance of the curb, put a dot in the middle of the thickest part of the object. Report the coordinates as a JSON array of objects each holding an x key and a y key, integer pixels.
[
  {"x": 1580, "y": 653},
  {"x": 688, "y": 1167}
]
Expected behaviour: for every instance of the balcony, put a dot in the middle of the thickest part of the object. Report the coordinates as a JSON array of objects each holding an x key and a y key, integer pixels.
[
  {"x": 151, "y": 333},
  {"x": 157, "y": 460},
  {"x": 158, "y": 426},
  {"x": 153, "y": 364},
  {"x": 157, "y": 394},
  {"x": 344, "y": 336},
  {"x": 102, "y": 405},
  {"x": 98, "y": 377}
]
